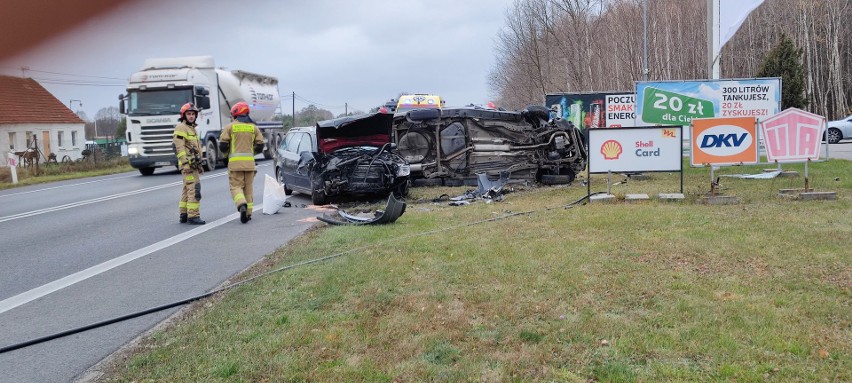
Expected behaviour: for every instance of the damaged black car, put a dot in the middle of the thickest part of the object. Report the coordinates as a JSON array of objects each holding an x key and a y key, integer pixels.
[
  {"x": 348, "y": 156},
  {"x": 451, "y": 146}
]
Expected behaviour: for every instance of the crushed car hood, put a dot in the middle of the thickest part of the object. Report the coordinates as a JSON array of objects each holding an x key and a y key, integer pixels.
[{"x": 372, "y": 129}]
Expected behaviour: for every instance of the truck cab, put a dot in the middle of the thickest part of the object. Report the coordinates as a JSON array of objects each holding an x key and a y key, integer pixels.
[{"x": 157, "y": 91}]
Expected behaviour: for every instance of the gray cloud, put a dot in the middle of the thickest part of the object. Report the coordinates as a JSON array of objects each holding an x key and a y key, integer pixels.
[{"x": 330, "y": 52}]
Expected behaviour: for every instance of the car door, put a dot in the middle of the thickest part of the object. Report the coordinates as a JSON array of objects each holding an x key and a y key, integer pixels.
[
  {"x": 304, "y": 151},
  {"x": 289, "y": 158}
]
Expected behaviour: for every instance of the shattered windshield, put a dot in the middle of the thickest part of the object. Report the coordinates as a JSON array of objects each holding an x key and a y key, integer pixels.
[{"x": 157, "y": 102}]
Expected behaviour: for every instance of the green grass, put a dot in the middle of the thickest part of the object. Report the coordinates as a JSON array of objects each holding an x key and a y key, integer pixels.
[
  {"x": 622, "y": 292},
  {"x": 60, "y": 172}
]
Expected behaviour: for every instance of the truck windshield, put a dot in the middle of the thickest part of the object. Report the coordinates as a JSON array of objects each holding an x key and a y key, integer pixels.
[{"x": 154, "y": 102}]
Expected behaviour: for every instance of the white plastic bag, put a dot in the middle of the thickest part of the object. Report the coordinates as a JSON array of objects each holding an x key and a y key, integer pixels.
[{"x": 273, "y": 195}]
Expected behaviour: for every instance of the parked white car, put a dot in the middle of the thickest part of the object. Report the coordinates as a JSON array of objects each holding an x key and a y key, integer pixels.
[{"x": 839, "y": 130}]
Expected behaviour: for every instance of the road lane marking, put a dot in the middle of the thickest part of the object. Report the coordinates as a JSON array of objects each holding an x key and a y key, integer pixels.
[
  {"x": 98, "y": 199},
  {"x": 59, "y": 284},
  {"x": 65, "y": 186}
]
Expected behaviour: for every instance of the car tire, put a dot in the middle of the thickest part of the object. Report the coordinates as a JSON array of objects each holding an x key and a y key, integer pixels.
[
  {"x": 428, "y": 182},
  {"x": 558, "y": 179},
  {"x": 280, "y": 175},
  {"x": 423, "y": 114},
  {"x": 834, "y": 135},
  {"x": 147, "y": 171},
  {"x": 318, "y": 197},
  {"x": 212, "y": 156}
]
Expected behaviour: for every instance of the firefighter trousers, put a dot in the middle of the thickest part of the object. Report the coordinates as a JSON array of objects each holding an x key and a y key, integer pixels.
[
  {"x": 241, "y": 188},
  {"x": 191, "y": 193}
]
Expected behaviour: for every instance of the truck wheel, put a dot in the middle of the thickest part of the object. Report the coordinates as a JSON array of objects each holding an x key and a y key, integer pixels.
[
  {"x": 212, "y": 156},
  {"x": 267, "y": 151},
  {"x": 146, "y": 171}
]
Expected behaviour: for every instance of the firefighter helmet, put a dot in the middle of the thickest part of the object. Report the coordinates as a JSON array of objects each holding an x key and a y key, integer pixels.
[
  {"x": 239, "y": 109},
  {"x": 188, "y": 107}
]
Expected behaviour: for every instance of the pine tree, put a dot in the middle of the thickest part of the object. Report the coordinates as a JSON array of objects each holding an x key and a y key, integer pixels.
[{"x": 785, "y": 61}]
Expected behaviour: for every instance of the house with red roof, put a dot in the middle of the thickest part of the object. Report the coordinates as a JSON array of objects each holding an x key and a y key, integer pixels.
[{"x": 30, "y": 115}]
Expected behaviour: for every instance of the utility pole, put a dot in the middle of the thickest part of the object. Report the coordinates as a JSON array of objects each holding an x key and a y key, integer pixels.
[
  {"x": 345, "y": 108},
  {"x": 24, "y": 70},
  {"x": 713, "y": 49},
  {"x": 645, "y": 40},
  {"x": 294, "y": 109}
]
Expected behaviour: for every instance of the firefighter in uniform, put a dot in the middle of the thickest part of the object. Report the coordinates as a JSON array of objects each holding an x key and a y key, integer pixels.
[
  {"x": 188, "y": 149},
  {"x": 241, "y": 140}
]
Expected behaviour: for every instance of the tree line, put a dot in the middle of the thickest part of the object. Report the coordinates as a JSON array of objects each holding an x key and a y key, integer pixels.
[{"x": 549, "y": 46}]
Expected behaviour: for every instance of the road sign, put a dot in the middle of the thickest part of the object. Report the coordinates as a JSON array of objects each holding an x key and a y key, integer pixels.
[
  {"x": 724, "y": 141},
  {"x": 670, "y": 108},
  {"x": 793, "y": 135}
]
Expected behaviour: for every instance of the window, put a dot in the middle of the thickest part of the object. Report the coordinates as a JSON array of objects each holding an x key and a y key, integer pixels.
[
  {"x": 74, "y": 138},
  {"x": 293, "y": 142},
  {"x": 305, "y": 145},
  {"x": 60, "y": 135},
  {"x": 29, "y": 139},
  {"x": 12, "y": 138}
]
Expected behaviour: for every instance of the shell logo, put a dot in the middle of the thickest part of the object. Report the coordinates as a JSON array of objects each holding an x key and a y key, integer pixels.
[{"x": 611, "y": 150}]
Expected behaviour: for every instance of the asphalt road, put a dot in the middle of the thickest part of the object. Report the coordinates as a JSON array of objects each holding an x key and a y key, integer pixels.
[
  {"x": 840, "y": 150},
  {"x": 83, "y": 251}
]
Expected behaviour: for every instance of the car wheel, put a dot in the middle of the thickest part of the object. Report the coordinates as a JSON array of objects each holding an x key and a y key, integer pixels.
[
  {"x": 318, "y": 197},
  {"x": 558, "y": 179},
  {"x": 212, "y": 156},
  {"x": 280, "y": 175},
  {"x": 428, "y": 182},
  {"x": 834, "y": 135},
  {"x": 146, "y": 171}
]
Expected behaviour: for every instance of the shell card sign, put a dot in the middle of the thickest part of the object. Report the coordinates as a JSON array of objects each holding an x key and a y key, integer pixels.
[
  {"x": 724, "y": 141},
  {"x": 642, "y": 149},
  {"x": 792, "y": 135}
]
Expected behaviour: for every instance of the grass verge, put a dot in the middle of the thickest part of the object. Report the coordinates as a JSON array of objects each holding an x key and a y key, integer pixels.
[
  {"x": 60, "y": 172},
  {"x": 621, "y": 292}
]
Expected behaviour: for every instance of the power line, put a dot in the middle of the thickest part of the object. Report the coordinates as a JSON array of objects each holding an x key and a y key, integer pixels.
[
  {"x": 300, "y": 98},
  {"x": 76, "y": 75}
]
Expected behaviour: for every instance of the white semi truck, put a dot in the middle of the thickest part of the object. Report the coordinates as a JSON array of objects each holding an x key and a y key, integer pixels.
[{"x": 157, "y": 91}]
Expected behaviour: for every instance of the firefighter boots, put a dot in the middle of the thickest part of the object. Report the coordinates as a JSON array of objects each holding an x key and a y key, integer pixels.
[
  {"x": 183, "y": 218},
  {"x": 243, "y": 213},
  {"x": 195, "y": 221}
]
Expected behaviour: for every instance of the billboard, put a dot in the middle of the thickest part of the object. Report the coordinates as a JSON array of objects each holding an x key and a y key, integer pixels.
[
  {"x": 724, "y": 141},
  {"x": 678, "y": 102},
  {"x": 594, "y": 110},
  {"x": 644, "y": 149},
  {"x": 792, "y": 135}
]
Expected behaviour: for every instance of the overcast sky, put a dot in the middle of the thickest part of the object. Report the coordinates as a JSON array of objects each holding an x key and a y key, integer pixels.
[{"x": 328, "y": 52}]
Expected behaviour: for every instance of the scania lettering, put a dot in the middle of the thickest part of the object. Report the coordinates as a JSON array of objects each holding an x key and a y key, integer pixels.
[{"x": 157, "y": 91}]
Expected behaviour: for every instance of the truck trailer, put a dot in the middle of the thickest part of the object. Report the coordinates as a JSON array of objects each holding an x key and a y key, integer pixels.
[{"x": 157, "y": 91}]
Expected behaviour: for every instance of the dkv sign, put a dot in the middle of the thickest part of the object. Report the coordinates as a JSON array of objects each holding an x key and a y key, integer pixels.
[
  {"x": 793, "y": 135},
  {"x": 724, "y": 141}
]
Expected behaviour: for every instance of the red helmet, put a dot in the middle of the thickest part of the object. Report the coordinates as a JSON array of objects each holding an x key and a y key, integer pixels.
[
  {"x": 239, "y": 109},
  {"x": 188, "y": 107}
]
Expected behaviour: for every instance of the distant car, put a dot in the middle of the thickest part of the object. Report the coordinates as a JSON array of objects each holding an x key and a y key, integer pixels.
[
  {"x": 839, "y": 130},
  {"x": 351, "y": 156}
]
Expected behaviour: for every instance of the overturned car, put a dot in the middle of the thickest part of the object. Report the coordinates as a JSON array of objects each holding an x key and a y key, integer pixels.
[
  {"x": 348, "y": 156},
  {"x": 450, "y": 146}
]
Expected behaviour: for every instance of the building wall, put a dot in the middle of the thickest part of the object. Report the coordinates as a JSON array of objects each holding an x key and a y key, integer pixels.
[{"x": 69, "y": 147}]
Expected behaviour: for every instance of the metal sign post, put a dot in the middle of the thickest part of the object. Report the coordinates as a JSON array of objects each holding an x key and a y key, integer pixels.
[{"x": 13, "y": 167}]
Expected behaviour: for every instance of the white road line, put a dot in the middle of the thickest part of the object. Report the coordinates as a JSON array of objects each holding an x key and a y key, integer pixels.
[
  {"x": 65, "y": 186},
  {"x": 96, "y": 200},
  {"x": 59, "y": 284}
]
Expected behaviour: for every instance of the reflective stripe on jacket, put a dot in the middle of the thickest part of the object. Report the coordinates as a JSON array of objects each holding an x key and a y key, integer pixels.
[
  {"x": 241, "y": 138},
  {"x": 184, "y": 136}
]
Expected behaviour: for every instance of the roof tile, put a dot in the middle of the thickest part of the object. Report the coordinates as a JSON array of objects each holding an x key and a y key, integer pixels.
[{"x": 25, "y": 101}]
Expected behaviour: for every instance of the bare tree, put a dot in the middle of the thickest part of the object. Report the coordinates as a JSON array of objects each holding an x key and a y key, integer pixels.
[{"x": 596, "y": 45}]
